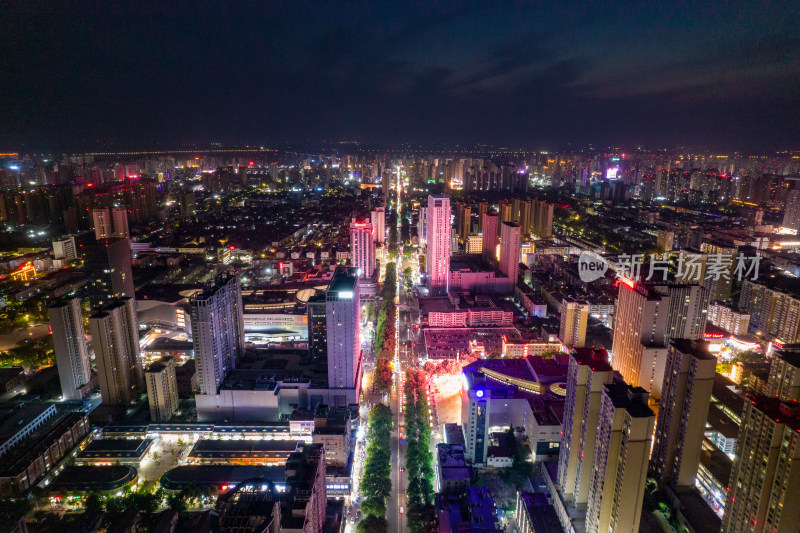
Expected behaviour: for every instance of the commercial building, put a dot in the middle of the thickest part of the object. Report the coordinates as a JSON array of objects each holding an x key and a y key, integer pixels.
[
  {"x": 69, "y": 344},
  {"x": 114, "y": 451},
  {"x": 318, "y": 330},
  {"x": 242, "y": 452},
  {"x": 102, "y": 480},
  {"x": 683, "y": 412},
  {"x": 621, "y": 451},
  {"x": 437, "y": 255},
  {"x": 217, "y": 331},
  {"x": 342, "y": 330},
  {"x": 362, "y": 247},
  {"x": 765, "y": 479},
  {"x": 108, "y": 271},
  {"x": 31, "y": 460},
  {"x": 115, "y": 338},
  {"x": 521, "y": 393},
  {"x": 162, "y": 389},
  {"x": 772, "y": 312}
]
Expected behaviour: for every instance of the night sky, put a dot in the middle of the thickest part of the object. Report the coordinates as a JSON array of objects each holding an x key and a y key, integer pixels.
[{"x": 722, "y": 76}]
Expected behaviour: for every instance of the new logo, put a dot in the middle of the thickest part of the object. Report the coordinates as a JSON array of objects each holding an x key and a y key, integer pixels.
[{"x": 591, "y": 266}]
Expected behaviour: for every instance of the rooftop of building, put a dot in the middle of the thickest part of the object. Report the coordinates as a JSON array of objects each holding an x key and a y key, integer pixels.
[
  {"x": 117, "y": 445},
  {"x": 92, "y": 478},
  {"x": 632, "y": 399},
  {"x": 721, "y": 423},
  {"x": 224, "y": 448},
  {"x": 723, "y": 391},
  {"x": 165, "y": 344},
  {"x": 791, "y": 354},
  {"x": 9, "y": 373},
  {"x": 454, "y": 434},
  {"x": 542, "y": 515},
  {"x": 696, "y": 348},
  {"x": 344, "y": 279},
  {"x": 15, "y": 417},
  {"x": 160, "y": 365},
  {"x": 596, "y": 358},
  {"x": 782, "y": 412},
  {"x": 218, "y": 475}
]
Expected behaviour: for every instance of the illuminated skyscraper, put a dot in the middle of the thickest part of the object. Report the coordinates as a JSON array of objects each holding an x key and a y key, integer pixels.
[
  {"x": 362, "y": 247},
  {"x": 784, "y": 374},
  {"x": 69, "y": 345},
  {"x": 437, "y": 257},
  {"x": 343, "y": 330},
  {"x": 217, "y": 331}
]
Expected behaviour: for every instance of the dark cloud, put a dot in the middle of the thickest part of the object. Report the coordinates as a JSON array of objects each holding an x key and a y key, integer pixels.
[{"x": 721, "y": 76}]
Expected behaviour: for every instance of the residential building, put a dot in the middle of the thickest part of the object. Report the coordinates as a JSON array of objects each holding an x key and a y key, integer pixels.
[
  {"x": 574, "y": 319},
  {"x": 489, "y": 235},
  {"x": 69, "y": 344},
  {"x": 119, "y": 217},
  {"x": 731, "y": 319},
  {"x": 108, "y": 271},
  {"x": 510, "y": 250},
  {"x": 162, "y": 389},
  {"x": 217, "y": 331},
  {"x": 647, "y": 317},
  {"x": 65, "y": 248},
  {"x": 765, "y": 480},
  {"x": 784, "y": 374},
  {"x": 378, "y": 220},
  {"x": 683, "y": 412},
  {"x": 103, "y": 225},
  {"x": 115, "y": 339},
  {"x": 589, "y": 371},
  {"x": 619, "y": 469},
  {"x": 772, "y": 312}
]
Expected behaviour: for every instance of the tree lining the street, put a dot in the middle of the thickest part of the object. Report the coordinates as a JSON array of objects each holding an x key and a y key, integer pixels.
[
  {"x": 386, "y": 331},
  {"x": 376, "y": 482},
  {"x": 419, "y": 459}
]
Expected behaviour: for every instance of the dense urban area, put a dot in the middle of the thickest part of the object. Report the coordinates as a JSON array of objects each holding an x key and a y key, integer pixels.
[{"x": 363, "y": 340}]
